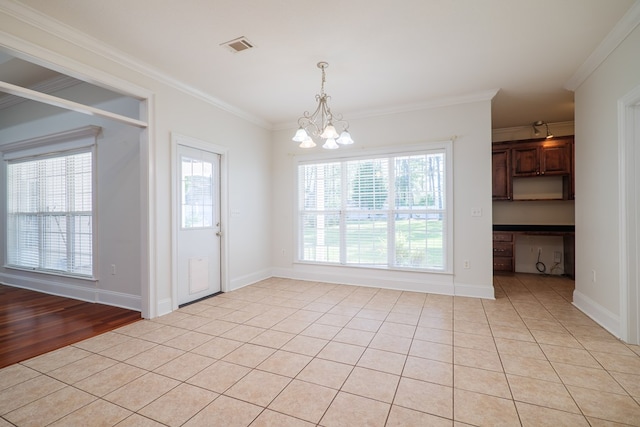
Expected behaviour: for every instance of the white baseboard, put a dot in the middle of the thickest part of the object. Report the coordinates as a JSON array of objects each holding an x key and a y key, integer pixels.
[
  {"x": 54, "y": 285},
  {"x": 474, "y": 291},
  {"x": 164, "y": 307},
  {"x": 402, "y": 281},
  {"x": 240, "y": 282},
  {"x": 599, "y": 314},
  {"x": 119, "y": 299}
]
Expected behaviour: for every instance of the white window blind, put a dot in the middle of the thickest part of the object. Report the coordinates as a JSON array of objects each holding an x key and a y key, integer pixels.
[
  {"x": 385, "y": 211},
  {"x": 50, "y": 213}
]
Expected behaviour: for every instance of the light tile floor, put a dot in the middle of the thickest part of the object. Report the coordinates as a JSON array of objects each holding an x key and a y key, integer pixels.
[{"x": 293, "y": 353}]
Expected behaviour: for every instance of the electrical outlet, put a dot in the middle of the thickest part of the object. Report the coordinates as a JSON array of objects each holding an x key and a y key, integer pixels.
[
  {"x": 593, "y": 275},
  {"x": 466, "y": 263},
  {"x": 113, "y": 269},
  {"x": 557, "y": 256}
]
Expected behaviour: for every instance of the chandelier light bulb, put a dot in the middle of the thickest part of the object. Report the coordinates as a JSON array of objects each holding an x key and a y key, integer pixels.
[
  {"x": 329, "y": 132},
  {"x": 345, "y": 138},
  {"x": 307, "y": 143},
  {"x": 300, "y": 136},
  {"x": 330, "y": 144}
]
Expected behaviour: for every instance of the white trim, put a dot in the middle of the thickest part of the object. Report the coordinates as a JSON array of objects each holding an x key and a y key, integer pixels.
[
  {"x": 61, "y": 141},
  {"x": 629, "y": 211},
  {"x": 249, "y": 279},
  {"x": 118, "y": 299},
  {"x": 55, "y": 61},
  {"x": 148, "y": 213},
  {"x": 67, "y": 105},
  {"x": 46, "y": 23},
  {"x": 48, "y": 86},
  {"x": 88, "y": 293},
  {"x": 622, "y": 29},
  {"x": 602, "y": 316},
  {"x": 187, "y": 141},
  {"x": 351, "y": 152},
  {"x": 486, "y": 95},
  {"x": 474, "y": 291},
  {"x": 164, "y": 307},
  {"x": 526, "y": 132},
  {"x": 50, "y": 286},
  {"x": 49, "y": 59},
  {"x": 402, "y": 281}
]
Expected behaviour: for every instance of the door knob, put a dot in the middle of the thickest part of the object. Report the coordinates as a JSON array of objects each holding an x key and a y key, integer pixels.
[{"x": 219, "y": 234}]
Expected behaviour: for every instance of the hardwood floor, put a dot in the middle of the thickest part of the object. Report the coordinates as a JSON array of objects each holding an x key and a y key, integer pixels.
[{"x": 33, "y": 323}]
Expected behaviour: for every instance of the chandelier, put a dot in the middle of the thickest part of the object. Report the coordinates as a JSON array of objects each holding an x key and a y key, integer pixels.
[{"x": 320, "y": 123}]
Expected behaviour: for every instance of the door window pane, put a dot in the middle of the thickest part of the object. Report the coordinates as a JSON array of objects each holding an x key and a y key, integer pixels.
[{"x": 197, "y": 193}]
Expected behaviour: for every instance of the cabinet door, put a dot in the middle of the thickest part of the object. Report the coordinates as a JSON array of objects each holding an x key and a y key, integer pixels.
[
  {"x": 556, "y": 160},
  {"x": 526, "y": 161},
  {"x": 501, "y": 165}
]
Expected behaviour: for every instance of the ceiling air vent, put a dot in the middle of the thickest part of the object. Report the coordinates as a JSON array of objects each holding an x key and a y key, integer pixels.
[{"x": 238, "y": 45}]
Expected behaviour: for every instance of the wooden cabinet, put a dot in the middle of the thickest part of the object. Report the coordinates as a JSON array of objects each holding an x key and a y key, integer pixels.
[
  {"x": 544, "y": 158},
  {"x": 532, "y": 158},
  {"x": 503, "y": 252},
  {"x": 555, "y": 159},
  {"x": 526, "y": 161},
  {"x": 501, "y": 179}
]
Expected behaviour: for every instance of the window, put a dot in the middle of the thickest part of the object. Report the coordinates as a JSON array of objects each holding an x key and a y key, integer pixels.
[
  {"x": 197, "y": 193},
  {"x": 382, "y": 211},
  {"x": 50, "y": 213}
]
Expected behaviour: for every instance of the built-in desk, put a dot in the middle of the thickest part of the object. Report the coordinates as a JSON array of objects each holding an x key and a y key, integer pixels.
[{"x": 504, "y": 249}]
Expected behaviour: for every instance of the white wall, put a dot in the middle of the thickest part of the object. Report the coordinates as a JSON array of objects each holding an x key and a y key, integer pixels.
[
  {"x": 171, "y": 110},
  {"x": 597, "y": 241},
  {"x": 471, "y": 124}
]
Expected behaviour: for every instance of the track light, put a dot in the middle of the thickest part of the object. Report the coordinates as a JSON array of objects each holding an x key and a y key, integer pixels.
[{"x": 536, "y": 131}]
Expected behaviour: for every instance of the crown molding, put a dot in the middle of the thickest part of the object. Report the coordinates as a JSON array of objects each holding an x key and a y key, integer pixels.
[
  {"x": 486, "y": 95},
  {"x": 620, "y": 31},
  {"x": 58, "y": 29},
  {"x": 49, "y": 86},
  {"x": 526, "y": 132}
]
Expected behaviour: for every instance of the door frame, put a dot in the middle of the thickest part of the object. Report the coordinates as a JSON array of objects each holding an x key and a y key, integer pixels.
[
  {"x": 629, "y": 214},
  {"x": 66, "y": 65},
  {"x": 187, "y": 141}
]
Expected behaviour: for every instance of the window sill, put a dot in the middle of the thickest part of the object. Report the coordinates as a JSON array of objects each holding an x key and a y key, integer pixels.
[
  {"x": 52, "y": 273},
  {"x": 372, "y": 267}
]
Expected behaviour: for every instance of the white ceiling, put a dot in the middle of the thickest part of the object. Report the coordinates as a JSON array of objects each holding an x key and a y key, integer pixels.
[{"x": 383, "y": 54}]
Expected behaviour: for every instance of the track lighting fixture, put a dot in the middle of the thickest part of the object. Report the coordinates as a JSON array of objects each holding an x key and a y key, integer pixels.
[{"x": 539, "y": 123}]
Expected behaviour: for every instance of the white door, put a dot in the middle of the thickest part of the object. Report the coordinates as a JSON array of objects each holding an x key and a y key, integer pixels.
[{"x": 198, "y": 228}]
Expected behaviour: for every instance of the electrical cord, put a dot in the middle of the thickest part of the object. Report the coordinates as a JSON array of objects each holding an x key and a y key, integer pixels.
[{"x": 540, "y": 265}]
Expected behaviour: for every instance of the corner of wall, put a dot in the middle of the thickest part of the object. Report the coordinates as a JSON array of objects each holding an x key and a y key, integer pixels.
[
  {"x": 597, "y": 313},
  {"x": 473, "y": 291}
]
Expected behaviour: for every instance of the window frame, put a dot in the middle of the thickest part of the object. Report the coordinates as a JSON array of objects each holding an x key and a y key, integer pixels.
[
  {"x": 63, "y": 144},
  {"x": 343, "y": 156}
]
